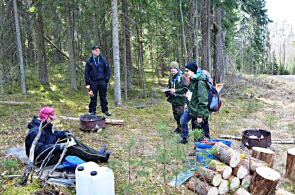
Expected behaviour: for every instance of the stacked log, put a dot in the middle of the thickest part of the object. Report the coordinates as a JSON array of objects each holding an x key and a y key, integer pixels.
[
  {"x": 253, "y": 163},
  {"x": 200, "y": 187},
  {"x": 224, "y": 170},
  {"x": 208, "y": 175},
  {"x": 226, "y": 154}
]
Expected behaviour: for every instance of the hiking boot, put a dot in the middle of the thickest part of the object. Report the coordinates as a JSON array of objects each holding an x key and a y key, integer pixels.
[
  {"x": 183, "y": 140},
  {"x": 92, "y": 113},
  {"x": 206, "y": 138},
  {"x": 106, "y": 157},
  {"x": 103, "y": 149},
  {"x": 177, "y": 131},
  {"x": 107, "y": 113}
]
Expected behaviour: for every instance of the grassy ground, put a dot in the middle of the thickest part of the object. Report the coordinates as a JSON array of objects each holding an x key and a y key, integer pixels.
[{"x": 145, "y": 155}]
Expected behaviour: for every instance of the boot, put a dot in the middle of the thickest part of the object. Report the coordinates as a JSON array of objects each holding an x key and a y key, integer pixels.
[
  {"x": 177, "y": 131},
  {"x": 183, "y": 140},
  {"x": 103, "y": 149},
  {"x": 105, "y": 157}
]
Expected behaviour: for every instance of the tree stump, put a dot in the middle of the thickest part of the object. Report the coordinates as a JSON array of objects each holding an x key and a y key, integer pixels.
[
  {"x": 264, "y": 181},
  {"x": 290, "y": 165},
  {"x": 264, "y": 154},
  {"x": 234, "y": 183},
  {"x": 254, "y": 163},
  {"x": 242, "y": 191},
  {"x": 223, "y": 187},
  {"x": 246, "y": 181},
  {"x": 200, "y": 187},
  {"x": 224, "y": 170},
  {"x": 241, "y": 170},
  {"x": 226, "y": 154},
  {"x": 208, "y": 175}
]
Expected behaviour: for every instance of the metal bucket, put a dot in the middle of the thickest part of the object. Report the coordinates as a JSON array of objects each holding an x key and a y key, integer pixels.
[
  {"x": 256, "y": 138},
  {"x": 91, "y": 122}
]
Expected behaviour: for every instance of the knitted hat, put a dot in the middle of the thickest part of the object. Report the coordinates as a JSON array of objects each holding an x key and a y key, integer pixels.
[
  {"x": 192, "y": 67},
  {"x": 47, "y": 111},
  {"x": 174, "y": 65}
]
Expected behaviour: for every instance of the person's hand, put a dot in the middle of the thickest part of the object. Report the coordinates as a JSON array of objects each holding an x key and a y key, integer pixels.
[
  {"x": 199, "y": 120},
  {"x": 185, "y": 106},
  {"x": 72, "y": 142},
  {"x": 62, "y": 146},
  {"x": 87, "y": 86},
  {"x": 68, "y": 134},
  {"x": 172, "y": 91}
]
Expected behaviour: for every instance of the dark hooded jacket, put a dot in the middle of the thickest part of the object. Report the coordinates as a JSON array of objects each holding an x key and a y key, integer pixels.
[
  {"x": 177, "y": 82},
  {"x": 47, "y": 139},
  {"x": 97, "y": 72}
]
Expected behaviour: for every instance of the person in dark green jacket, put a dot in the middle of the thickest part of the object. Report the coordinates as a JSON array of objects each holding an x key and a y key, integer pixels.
[
  {"x": 176, "y": 95},
  {"x": 197, "y": 102}
]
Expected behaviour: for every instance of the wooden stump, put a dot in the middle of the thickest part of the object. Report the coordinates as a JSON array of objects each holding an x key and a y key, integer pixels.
[
  {"x": 254, "y": 163},
  {"x": 200, "y": 187},
  {"x": 264, "y": 181},
  {"x": 226, "y": 154},
  {"x": 246, "y": 181},
  {"x": 208, "y": 175},
  {"x": 223, "y": 187},
  {"x": 290, "y": 165},
  {"x": 224, "y": 170},
  {"x": 242, "y": 191},
  {"x": 234, "y": 183},
  {"x": 264, "y": 154},
  {"x": 241, "y": 170}
]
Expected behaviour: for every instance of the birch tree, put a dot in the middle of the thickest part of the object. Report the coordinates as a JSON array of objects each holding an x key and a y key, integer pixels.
[
  {"x": 116, "y": 52},
  {"x": 19, "y": 48},
  {"x": 183, "y": 34}
]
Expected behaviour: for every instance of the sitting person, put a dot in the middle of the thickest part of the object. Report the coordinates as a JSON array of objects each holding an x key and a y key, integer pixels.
[{"x": 49, "y": 137}]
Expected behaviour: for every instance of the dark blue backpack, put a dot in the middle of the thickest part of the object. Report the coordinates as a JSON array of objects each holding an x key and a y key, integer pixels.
[{"x": 214, "y": 102}]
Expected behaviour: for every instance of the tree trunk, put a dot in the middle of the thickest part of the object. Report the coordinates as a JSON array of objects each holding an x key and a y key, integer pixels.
[
  {"x": 196, "y": 32},
  {"x": 264, "y": 181},
  {"x": 126, "y": 25},
  {"x": 208, "y": 175},
  {"x": 234, "y": 183},
  {"x": 205, "y": 29},
  {"x": 42, "y": 69},
  {"x": 224, "y": 170},
  {"x": 241, "y": 170},
  {"x": 71, "y": 45},
  {"x": 263, "y": 154},
  {"x": 196, "y": 185},
  {"x": 254, "y": 163},
  {"x": 183, "y": 33},
  {"x": 20, "y": 50},
  {"x": 218, "y": 66},
  {"x": 116, "y": 54},
  {"x": 2, "y": 89},
  {"x": 290, "y": 165},
  {"x": 226, "y": 154}
]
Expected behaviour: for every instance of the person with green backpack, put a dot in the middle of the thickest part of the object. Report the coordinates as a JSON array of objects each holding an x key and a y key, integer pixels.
[
  {"x": 197, "y": 99},
  {"x": 176, "y": 94}
]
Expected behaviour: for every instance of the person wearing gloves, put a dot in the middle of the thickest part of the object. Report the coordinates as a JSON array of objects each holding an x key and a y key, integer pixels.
[
  {"x": 97, "y": 76},
  {"x": 197, "y": 98},
  {"x": 176, "y": 95},
  {"x": 49, "y": 142}
]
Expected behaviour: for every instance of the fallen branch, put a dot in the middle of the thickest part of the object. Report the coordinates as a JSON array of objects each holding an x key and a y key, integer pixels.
[
  {"x": 107, "y": 121},
  {"x": 14, "y": 103}
]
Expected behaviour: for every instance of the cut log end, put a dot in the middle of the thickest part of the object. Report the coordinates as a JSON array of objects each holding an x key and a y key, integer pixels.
[
  {"x": 242, "y": 191},
  {"x": 216, "y": 180},
  {"x": 213, "y": 191},
  {"x": 235, "y": 159},
  {"x": 223, "y": 187},
  {"x": 268, "y": 173},
  {"x": 227, "y": 172}
]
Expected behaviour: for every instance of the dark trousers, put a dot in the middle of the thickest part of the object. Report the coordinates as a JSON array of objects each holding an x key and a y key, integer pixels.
[
  {"x": 177, "y": 113},
  {"x": 101, "y": 87},
  {"x": 80, "y": 150}
]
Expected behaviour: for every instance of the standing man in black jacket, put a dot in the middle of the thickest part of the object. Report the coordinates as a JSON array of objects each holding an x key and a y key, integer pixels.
[{"x": 97, "y": 76}]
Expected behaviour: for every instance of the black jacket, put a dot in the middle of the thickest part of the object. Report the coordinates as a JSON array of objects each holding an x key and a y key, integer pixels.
[
  {"x": 46, "y": 141},
  {"x": 93, "y": 72}
]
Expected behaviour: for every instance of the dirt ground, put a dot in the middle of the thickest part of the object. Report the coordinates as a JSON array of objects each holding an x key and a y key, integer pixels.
[{"x": 277, "y": 115}]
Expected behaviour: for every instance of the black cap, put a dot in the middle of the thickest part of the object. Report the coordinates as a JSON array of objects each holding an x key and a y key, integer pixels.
[
  {"x": 192, "y": 66},
  {"x": 95, "y": 47}
]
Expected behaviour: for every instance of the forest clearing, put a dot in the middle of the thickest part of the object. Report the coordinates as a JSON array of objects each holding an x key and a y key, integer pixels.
[
  {"x": 138, "y": 152},
  {"x": 143, "y": 69}
]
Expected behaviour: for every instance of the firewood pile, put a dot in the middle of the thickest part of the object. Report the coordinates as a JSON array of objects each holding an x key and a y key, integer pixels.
[{"x": 239, "y": 176}]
